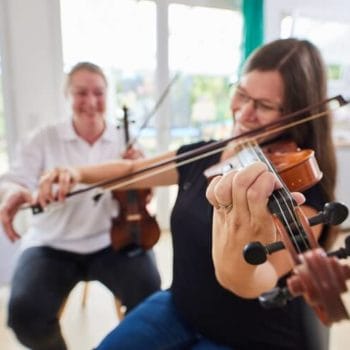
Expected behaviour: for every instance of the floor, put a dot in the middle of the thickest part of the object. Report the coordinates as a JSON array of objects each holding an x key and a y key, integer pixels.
[{"x": 85, "y": 326}]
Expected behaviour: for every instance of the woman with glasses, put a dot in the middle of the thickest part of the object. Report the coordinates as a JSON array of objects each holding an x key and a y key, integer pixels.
[{"x": 197, "y": 312}]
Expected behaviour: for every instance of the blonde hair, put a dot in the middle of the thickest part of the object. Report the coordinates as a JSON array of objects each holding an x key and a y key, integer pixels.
[{"x": 88, "y": 66}]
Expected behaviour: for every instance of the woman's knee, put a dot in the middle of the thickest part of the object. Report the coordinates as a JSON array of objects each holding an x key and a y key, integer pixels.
[
  {"x": 27, "y": 316},
  {"x": 20, "y": 313},
  {"x": 26, "y": 319}
]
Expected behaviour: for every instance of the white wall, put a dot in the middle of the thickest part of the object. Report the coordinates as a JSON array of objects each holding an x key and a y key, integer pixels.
[
  {"x": 31, "y": 55},
  {"x": 31, "y": 64},
  {"x": 275, "y": 9}
]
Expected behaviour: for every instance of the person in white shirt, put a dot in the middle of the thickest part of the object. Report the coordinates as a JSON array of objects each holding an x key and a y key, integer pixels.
[{"x": 68, "y": 243}]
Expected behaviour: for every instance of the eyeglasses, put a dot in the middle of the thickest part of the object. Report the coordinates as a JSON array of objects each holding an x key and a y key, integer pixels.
[{"x": 263, "y": 107}]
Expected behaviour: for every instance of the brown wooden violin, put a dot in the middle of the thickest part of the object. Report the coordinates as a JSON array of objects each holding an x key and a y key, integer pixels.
[
  {"x": 134, "y": 229},
  {"x": 317, "y": 276}
]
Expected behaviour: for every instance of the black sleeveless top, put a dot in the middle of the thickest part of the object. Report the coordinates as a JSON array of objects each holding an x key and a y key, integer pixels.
[{"x": 212, "y": 310}]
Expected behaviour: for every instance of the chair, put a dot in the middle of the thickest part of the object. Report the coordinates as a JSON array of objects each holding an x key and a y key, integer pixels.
[
  {"x": 120, "y": 309},
  {"x": 118, "y": 305}
]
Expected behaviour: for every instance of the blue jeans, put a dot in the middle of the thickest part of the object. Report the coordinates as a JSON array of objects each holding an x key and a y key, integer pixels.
[{"x": 156, "y": 325}]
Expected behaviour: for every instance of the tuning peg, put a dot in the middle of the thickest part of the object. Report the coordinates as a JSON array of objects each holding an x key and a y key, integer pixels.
[
  {"x": 342, "y": 253},
  {"x": 334, "y": 213},
  {"x": 255, "y": 253},
  {"x": 276, "y": 297}
]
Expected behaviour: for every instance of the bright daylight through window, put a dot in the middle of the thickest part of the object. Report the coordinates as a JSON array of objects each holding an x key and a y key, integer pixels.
[{"x": 121, "y": 36}]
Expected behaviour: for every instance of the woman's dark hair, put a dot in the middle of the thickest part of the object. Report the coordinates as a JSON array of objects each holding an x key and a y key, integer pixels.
[{"x": 303, "y": 72}]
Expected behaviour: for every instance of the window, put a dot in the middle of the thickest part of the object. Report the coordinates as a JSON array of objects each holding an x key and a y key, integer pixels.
[
  {"x": 120, "y": 37},
  {"x": 203, "y": 49},
  {"x": 331, "y": 38}
]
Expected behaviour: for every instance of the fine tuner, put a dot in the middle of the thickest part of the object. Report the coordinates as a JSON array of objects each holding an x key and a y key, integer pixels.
[{"x": 334, "y": 213}]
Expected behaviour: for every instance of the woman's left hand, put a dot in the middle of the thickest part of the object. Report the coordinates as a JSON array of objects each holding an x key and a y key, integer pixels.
[{"x": 241, "y": 216}]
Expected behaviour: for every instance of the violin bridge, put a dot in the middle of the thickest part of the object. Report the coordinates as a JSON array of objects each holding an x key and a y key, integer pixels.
[{"x": 134, "y": 217}]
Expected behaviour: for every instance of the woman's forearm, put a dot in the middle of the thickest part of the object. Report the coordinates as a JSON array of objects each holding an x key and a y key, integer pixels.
[
  {"x": 95, "y": 173},
  {"x": 158, "y": 176}
]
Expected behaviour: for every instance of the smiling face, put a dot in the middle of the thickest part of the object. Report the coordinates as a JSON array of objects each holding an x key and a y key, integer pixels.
[
  {"x": 257, "y": 100},
  {"x": 87, "y": 92}
]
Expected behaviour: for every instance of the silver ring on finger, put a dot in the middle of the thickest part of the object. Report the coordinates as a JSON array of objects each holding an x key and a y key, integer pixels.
[{"x": 226, "y": 207}]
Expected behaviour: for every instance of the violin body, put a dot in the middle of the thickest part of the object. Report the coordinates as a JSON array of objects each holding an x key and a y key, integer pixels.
[
  {"x": 297, "y": 168},
  {"x": 134, "y": 228}
]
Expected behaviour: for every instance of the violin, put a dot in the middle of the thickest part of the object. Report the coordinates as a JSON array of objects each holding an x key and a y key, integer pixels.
[
  {"x": 317, "y": 276},
  {"x": 134, "y": 229}
]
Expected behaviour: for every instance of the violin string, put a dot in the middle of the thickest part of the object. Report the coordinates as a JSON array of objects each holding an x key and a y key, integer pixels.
[
  {"x": 286, "y": 198},
  {"x": 300, "y": 239},
  {"x": 283, "y": 193},
  {"x": 260, "y": 156}
]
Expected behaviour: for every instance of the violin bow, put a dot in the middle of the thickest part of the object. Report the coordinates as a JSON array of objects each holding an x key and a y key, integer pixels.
[
  {"x": 131, "y": 142},
  {"x": 207, "y": 150},
  {"x": 284, "y": 122}
]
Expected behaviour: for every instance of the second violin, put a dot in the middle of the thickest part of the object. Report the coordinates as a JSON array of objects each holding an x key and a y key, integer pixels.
[{"x": 135, "y": 229}]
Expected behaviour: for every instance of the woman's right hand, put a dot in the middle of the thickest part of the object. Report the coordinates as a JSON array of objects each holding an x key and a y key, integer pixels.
[{"x": 65, "y": 177}]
